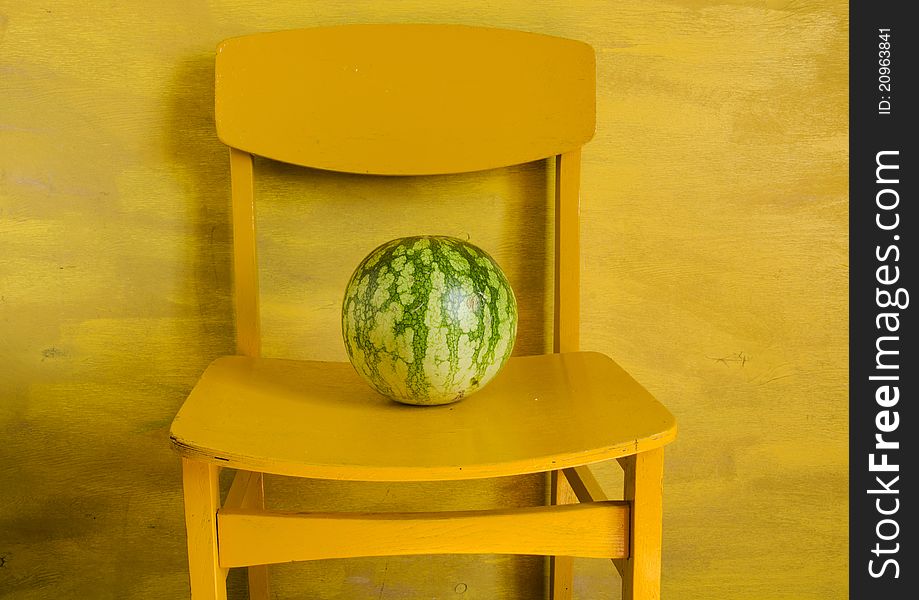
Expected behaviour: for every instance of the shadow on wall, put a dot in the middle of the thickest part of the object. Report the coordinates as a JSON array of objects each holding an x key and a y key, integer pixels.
[{"x": 201, "y": 162}]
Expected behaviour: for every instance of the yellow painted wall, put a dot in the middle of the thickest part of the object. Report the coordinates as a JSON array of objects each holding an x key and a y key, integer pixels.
[{"x": 714, "y": 211}]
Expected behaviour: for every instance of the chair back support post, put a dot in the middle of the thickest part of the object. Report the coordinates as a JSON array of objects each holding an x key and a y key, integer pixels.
[
  {"x": 245, "y": 259},
  {"x": 567, "y": 252}
]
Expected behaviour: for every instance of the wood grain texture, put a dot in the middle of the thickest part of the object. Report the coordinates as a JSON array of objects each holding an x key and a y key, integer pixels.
[{"x": 713, "y": 227}]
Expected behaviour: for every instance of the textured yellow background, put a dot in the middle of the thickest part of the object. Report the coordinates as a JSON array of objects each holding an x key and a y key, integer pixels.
[{"x": 714, "y": 212}]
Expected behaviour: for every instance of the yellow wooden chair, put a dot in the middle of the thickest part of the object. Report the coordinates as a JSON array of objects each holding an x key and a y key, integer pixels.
[{"x": 414, "y": 100}]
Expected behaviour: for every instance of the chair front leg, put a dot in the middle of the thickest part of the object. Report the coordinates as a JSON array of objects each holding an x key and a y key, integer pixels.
[
  {"x": 202, "y": 500},
  {"x": 641, "y": 572}
]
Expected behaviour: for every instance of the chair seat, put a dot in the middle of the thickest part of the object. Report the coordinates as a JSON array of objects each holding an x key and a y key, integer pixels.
[{"x": 321, "y": 420}]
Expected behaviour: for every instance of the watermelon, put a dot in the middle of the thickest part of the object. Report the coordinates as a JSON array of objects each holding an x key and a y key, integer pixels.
[{"x": 428, "y": 320}]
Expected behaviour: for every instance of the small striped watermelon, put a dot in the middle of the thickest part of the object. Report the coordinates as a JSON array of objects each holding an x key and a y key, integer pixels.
[{"x": 428, "y": 320}]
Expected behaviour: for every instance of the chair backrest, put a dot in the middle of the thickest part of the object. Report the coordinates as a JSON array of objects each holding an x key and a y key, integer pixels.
[{"x": 405, "y": 100}]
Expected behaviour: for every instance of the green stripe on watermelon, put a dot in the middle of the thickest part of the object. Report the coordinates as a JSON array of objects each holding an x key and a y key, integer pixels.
[{"x": 428, "y": 319}]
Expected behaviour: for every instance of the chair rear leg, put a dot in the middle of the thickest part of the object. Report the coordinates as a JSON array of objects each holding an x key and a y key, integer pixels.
[
  {"x": 258, "y": 574},
  {"x": 561, "y": 568}
]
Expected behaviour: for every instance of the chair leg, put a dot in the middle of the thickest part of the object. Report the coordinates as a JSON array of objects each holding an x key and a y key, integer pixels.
[
  {"x": 561, "y": 568},
  {"x": 258, "y": 574},
  {"x": 641, "y": 572},
  {"x": 202, "y": 499}
]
